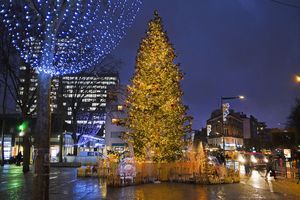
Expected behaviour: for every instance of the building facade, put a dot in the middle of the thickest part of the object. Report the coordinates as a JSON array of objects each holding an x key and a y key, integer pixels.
[
  {"x": 116, "y": 112},
  {"x": 13, "y": 137},
  {"x": 255, "y": 137},
  {"x": 250, "y": 126},
  {"x": 227, "y": 134},
  {"x": 85, "y": 93},
  {"x": 87, "y": 89}
]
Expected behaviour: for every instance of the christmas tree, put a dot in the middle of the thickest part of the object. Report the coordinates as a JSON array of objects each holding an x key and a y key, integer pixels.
[{"x": 156, "y": 115}]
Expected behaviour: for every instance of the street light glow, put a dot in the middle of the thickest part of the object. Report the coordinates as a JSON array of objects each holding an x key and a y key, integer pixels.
[
  {"x": 232, "y": 97},
  {"x": 22, "y": 133},
  {"x": 297, "y": 78},
  {"x": 22, "y": 127}
]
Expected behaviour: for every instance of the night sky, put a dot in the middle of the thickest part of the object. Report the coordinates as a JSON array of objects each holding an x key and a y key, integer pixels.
[{"x": 228, "y": 48}]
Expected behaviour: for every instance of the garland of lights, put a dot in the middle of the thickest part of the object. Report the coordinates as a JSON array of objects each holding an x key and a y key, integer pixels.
[
  {"x": 59, "y": 37},
  {"x": 90, "y": 126}
]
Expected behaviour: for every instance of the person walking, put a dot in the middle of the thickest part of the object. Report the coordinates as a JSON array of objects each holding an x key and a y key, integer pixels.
[
  {"x": 247, "y": 165},
  {"x": 19, "y": 158},
  {"x": 270, "y": 168}
]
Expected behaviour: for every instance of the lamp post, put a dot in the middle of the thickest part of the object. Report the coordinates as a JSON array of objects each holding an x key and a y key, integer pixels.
[{"x": 224, "y": 109}]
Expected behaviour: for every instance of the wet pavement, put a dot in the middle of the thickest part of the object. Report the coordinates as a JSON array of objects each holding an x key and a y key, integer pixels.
[{"x": 65, "y": 185}]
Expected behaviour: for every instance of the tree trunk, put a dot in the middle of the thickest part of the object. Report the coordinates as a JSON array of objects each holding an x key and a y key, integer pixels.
[
  {"x": 61, "y": 117},
  {"x": 75, "y": 149},
  {"x": 42, "y": 157},
  {"x": 4, "y": 115},
  {"x": 61, "y": 146},
  {"x": 75, "y": 140},
  {"x": 26, "y": 152},
  {"x": 25, "y": 110},
  {"x": 2, "y": 142}
]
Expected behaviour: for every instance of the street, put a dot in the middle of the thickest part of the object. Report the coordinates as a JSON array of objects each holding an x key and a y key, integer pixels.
[{"x": 65, "y": 185}]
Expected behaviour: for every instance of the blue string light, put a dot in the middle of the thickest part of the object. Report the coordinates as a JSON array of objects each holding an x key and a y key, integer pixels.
[
  {"x": 61, "y": 37},
  {"x": 91, "y": 123}
]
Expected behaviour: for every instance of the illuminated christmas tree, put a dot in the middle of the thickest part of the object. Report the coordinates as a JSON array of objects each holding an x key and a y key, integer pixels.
[{"x": 156, "y": 116}]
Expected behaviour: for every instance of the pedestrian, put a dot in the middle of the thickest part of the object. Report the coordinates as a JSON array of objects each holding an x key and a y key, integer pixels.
[
  {"x": 19, "y": 158},
  {"x": 247, "y": 165},
  {"x": 94, "y": 170},
  {"x": 218, "y": 156},
  {"x": 221, "y": 158},
  {"x": 270, "y": 168}
]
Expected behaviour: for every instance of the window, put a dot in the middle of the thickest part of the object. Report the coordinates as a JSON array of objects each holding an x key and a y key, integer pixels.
[
  {"x": 115, "y": 121},
  {"x": 116, "y": 134},
  {"x": 120, "y": 107}
]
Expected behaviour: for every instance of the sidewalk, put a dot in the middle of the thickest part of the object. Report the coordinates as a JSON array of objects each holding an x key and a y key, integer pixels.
[
  {"x": 288, "y": 186},
  {"x": 280, "y": 185}
]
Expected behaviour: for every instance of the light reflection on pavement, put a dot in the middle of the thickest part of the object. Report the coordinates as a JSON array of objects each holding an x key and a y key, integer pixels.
[
  {"x": 65, "y": 185},
  {"x": 257, "y": 180},
  {"x": 281, "y": 185}
]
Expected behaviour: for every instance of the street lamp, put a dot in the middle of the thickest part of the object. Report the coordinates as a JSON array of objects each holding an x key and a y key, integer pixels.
[
  {"x": 235, "y": 97},
  {"x": 225, "y": 109},
  {"x": 22, "y": 128}
]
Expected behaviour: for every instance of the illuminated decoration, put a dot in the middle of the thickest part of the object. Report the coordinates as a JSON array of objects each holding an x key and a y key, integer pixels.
[
  {"x": 127, "y": 168},
  {"x": 120, "y": 107},
  {"x": 115, "y": 121},
  {"x": 208, "y": 128},
  {"x": 91, "y": 123},
  {"x": 60, "y": 37},
  {"x": 225, "y": 111},
  {"x": 156, "y": 116}
]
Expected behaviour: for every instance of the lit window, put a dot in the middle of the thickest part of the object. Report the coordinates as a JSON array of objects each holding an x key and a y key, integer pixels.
[
  {"x": 115, "y": 121},
  {"x": 120, "y": 107}
]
